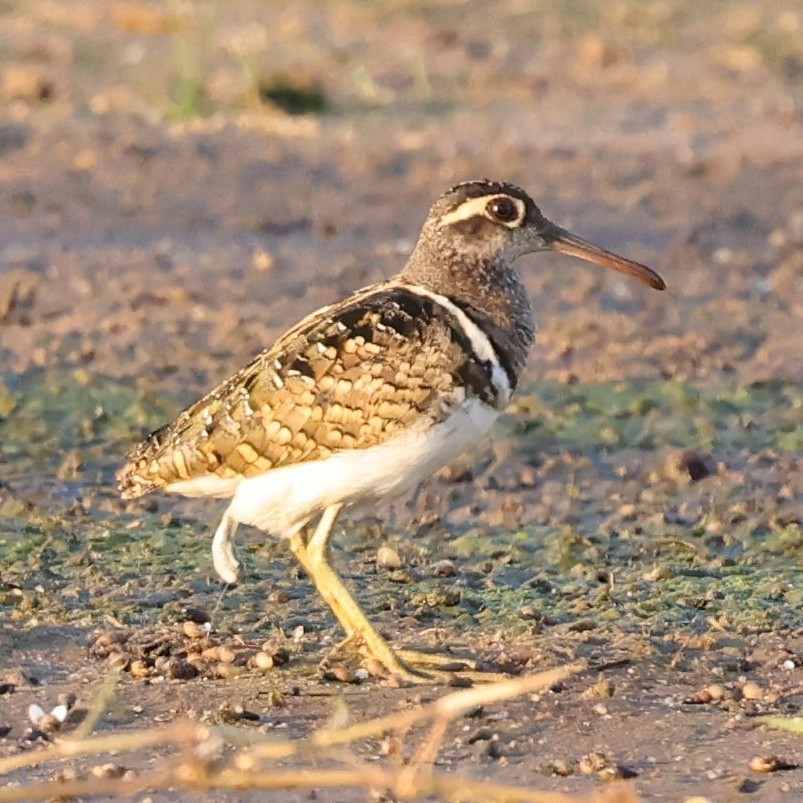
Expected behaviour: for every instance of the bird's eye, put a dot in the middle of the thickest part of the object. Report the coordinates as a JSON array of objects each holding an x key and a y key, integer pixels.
[{"x": 503, "y": 209}]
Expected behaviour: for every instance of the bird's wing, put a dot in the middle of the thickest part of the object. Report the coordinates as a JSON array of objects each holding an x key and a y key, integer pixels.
[{"x": 348, "y": 376}]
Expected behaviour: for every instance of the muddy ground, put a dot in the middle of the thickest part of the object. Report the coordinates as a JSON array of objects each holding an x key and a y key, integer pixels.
[{"x": 179, "y": 183}]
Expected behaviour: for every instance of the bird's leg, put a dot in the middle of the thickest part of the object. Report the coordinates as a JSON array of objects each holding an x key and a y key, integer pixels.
[
  {"x": 420, "y": 660},
  {"x": 314, "y": 556},
  {"x": 224, "y": 558},
  {"x": 298, "y": 546}
]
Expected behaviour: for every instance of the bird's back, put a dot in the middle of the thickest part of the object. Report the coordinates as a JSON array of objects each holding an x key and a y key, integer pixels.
[{"x": 350, "y": 376}]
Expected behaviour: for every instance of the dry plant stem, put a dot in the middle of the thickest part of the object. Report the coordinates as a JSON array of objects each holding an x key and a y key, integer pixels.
[
  {"x": 443, "y": 786},
  {"x": 458, "y": 790},
  {"x": 181, "y": 732},
  {"x": 63, "y": 790},
  {"x": 99, "y": 706},
  {"x": 244, "y": 771},
  {"x": 448, "y": 707},
  {"x": 420, "y": 767},
  {"x": 184, "y": 732}
]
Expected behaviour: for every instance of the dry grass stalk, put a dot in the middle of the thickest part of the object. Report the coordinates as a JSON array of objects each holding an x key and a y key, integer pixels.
[{"x": 200, "y": 763}]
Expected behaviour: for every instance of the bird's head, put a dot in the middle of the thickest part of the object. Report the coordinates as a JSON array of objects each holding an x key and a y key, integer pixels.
[{"x": 485, "y": 222}]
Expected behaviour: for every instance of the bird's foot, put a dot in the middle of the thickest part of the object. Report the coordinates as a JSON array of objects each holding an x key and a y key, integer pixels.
[
  {"x": 422, "y": 668},
  {"x": 442, "y": 661},
  {"x": 408, "y": 667}
]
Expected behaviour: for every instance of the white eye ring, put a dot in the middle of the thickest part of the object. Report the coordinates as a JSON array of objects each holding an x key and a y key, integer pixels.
[
  {"x": 503, "y": 209},
  {"x": 514, "y": 211}
]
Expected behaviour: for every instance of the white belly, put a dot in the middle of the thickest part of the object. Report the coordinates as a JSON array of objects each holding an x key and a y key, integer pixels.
[{"x": 285, "y": 497}]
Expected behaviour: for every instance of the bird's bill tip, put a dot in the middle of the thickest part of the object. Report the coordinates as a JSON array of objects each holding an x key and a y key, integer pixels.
[{"x": 568, "y": 243}]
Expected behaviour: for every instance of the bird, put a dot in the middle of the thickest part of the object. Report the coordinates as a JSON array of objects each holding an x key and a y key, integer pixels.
[{"x": 365, "y": 398}]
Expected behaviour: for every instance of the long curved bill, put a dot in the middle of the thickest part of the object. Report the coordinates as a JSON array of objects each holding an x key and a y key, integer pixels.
[{"x": 568, "y": 243}]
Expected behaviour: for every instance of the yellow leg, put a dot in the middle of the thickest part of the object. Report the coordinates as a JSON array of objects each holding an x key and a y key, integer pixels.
[
  {"x": 314, "y": 557},
  {"x": 343, "y": 604}
]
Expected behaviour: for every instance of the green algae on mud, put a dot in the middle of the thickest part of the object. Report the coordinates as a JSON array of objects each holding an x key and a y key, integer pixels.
[
  {"x": 43, "y": 414},
  {"x": 72, "y": 552},
  {"x": 650, "y": 414},
  {"x": 47, "y": 413}
]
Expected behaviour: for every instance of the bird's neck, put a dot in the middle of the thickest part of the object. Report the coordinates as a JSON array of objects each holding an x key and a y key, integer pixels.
[{"x": 491, "y": 293}]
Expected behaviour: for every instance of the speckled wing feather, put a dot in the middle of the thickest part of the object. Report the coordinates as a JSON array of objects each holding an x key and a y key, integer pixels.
[{"x": 349, "y": 376}]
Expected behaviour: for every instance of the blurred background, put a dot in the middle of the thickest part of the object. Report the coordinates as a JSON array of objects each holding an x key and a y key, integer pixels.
[
  {"x": 181, "y": 181},
  {"x": 197, "y": 175}
]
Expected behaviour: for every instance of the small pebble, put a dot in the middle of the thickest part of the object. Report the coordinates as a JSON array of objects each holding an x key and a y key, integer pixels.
[
  {"x": 199, "y": 662},
  {"x": 710, "y": 694},
  {"x": 36, "y": 735},
  {"x": 23, "y": 82},
  {"x": 211, "y": 653},
  {"x": 390, "y": 746},
  {"x": 179, "y": 669},
  {"x": 197, "y": 615},
  {"x": 107, "y": 639},
  {"x": 388, "y": 558},
  {"x": 342, "y": 674},
  {"x": 559, "y": 767},
  {"x": 245, "y": 762},
  {"x": 594, "y": 762},
  {"x": 262, "y": 260},
  {"x": 444, "y": 568},
  {"x": 108, "y": 771},
  {"x": 193, "y": 630},
  {"x": 67, "y": 774},
  {"x": 279, "y": 654},
  {"x": 687, "y": 466},
  {"x": 764, "y": 763},
  {"x": 243, "y": 657},
  {"x": 237, "y": 713},
  {"x": 770, "y": 764},
  {"x": 224, "y": 671},
  {"x": 752, "y": 691},
  {"x": 139, "y": 669},
  {"x": 602, "y": 688},
  {"x": 35, "y": 713},
  {"x": 273, "y": 698},
  {"x": 106, "y": 643},
  {"x": 262, "y": 660},
  {"x": 279, "y": 597}
]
